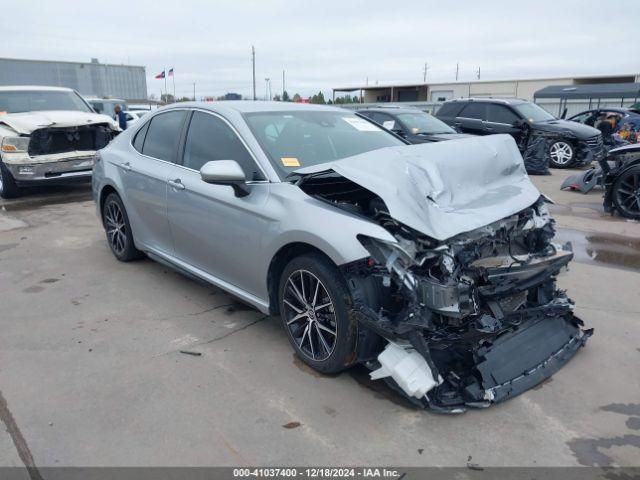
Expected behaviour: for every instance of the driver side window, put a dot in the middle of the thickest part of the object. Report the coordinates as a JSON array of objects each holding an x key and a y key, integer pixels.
[{"x": 210, "y": 138}]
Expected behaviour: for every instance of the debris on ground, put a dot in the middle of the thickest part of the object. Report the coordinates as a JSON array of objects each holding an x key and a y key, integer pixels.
[{"x": 291, "y": 425}]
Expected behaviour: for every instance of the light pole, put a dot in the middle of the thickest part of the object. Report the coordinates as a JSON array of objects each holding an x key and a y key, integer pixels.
[{"x": 253, "y": 64}]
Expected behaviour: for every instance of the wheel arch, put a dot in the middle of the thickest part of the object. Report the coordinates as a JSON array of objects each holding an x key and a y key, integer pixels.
[
  {"x": 104, "y": 193},
  {"x": 279, "y": 261}
]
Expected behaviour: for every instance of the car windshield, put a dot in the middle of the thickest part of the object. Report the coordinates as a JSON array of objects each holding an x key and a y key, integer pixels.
[
  {"x": 34, "y": 101},
  {"x": 299, "y": 139},
  {"x": 421, "y": 122},
  {"x": 533, "y": 112}
]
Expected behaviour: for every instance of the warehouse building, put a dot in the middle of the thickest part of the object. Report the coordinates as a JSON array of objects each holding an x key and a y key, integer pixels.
[
  {"x": 92, "y": 79},
  {"x": 429, "y": 96}
]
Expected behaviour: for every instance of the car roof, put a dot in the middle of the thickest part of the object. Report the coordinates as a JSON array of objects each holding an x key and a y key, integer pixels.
[
  {"x": 391, "y": 110},
  {"x": 250, "y": 106},
  {"x": 504, "y": 101},
  {"x": 33, "y": 88},
  {"x": 625, "y": 111}
]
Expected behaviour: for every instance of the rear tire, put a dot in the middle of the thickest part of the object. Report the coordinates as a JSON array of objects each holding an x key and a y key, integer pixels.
[
  {"x": 8, "y": 187},
  {"x": 118, "y": 229},
  {"x": 561, "y": 154},
  {"x": 626, "y": 193},
  {"x": 317, "y": 313}
]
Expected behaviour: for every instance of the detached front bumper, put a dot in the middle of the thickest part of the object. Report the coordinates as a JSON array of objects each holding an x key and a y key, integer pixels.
[{"x": 63, "y": 171}]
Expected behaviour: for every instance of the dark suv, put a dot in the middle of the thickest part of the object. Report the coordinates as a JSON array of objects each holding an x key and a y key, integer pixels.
[
  {"x": 572, "y": 144},
  {"x": 412, "y": 124}
]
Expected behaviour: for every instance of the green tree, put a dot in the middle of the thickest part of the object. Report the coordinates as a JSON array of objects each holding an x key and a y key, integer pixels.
[
  {"x": 318, "y": 98},
  {"x": 297, "y": 98},
  {"x": 276, "y": 98},
  {"x": 285, "y": 97}
]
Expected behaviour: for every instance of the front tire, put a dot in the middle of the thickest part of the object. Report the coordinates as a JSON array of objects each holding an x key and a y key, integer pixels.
[
  {"x": 118, "y": 229},
  {"x": 317, "y": 313},
  {"x": 8, "y": 187},
  {"x": 561, "y": 154},
  {"x": 626, "y": 193}
]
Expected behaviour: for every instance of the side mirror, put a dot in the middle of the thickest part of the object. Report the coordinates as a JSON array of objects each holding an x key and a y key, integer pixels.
[
  {"x": 520, "y": 123},
  {"x": 399, "y": 132},
  {"x": 225, "y": 172}
]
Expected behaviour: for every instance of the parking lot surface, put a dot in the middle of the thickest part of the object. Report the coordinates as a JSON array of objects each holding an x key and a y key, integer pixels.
[{"x": 91, "y": 369}]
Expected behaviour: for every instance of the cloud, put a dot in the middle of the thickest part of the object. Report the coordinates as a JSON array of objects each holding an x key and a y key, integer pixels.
[{"x": 333, "y": 43}]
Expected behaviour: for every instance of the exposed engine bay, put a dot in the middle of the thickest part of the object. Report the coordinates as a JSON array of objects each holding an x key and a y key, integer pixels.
[{"x": 463, "y": 322}]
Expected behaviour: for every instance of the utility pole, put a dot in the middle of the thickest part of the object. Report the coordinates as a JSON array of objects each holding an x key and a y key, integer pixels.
[
  {"x": 253, "y": 64},
  {"x": 424, "y": 72},
  {"x": 194, "y": 91},
  {"x": 457, "y": 71},
  {"x": 267, "y": 89},
  {"x": 478, "y": 73},
  {"x": 282, "y": 84}
]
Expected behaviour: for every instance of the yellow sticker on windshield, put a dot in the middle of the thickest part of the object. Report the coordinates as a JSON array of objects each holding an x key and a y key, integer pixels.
[{"x": 290, "y": 162}]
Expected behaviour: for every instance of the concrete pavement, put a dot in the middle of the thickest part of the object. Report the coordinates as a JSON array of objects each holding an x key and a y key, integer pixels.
[{"x": 92, "y": 374}]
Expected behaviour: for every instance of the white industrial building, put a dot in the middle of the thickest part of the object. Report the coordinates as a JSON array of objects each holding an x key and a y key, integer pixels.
[
  {"x": 89, "y": 78},
  {"x": 429, "y": 96}
]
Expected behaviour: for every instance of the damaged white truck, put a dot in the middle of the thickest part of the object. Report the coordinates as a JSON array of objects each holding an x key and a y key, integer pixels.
[
  {"x": 434, "y": 265},
  {"x": 48, "y": 135}
]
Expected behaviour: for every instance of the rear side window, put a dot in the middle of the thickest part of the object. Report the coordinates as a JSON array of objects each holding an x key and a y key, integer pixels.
[
  {"x": 210, "y": 138},
  {"x": 475, "y": 110},
  {"x": 163, "y": 136},
  {"x": 501, "y": 114},
  {"x": 449, "y": 109},
  {"x": 138, "y": 140}
]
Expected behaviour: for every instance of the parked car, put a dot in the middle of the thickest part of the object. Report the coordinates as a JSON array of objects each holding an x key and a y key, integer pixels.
[
  {"x": 412, "y": 124},
  {"x": 433, "y": 264},
  {"x": 626, "y": 116},
  {"x": 132, "y": 116},
  {"x": 48, "y": 135},
  {"x": 621, "y": 181},
  {"x": 106, "y": 106},
  {"x": 575, "y": 145}
]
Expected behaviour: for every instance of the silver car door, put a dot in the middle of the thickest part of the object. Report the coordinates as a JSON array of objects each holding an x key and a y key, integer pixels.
[
  {"x": 145, "y": 179},
  {"x": 213, "y": 229}
]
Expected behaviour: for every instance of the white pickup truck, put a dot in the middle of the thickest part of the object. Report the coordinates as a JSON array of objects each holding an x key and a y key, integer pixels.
[{"x": 48, "y": 135}]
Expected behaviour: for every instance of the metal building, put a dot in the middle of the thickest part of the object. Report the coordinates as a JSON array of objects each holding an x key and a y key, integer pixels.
[{"x": 89, "y": 79}]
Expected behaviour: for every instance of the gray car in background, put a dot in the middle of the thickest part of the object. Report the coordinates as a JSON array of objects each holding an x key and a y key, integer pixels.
[{"x": 433, "y": 265}]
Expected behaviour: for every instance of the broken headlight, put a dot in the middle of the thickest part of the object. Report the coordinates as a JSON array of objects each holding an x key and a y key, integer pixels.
[
  {"x": 397, "y": 257},
  {"x": 15, "y": 144}
]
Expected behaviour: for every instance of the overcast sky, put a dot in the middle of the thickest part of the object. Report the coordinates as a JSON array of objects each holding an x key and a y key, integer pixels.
[{"x": 329, "y": 43}]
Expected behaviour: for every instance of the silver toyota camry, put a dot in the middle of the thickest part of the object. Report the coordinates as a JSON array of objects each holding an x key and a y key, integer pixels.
[{"x": 433, "y": 265}]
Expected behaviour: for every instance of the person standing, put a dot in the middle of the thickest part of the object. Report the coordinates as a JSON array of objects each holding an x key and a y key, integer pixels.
[{"x": 121, "y": 117}]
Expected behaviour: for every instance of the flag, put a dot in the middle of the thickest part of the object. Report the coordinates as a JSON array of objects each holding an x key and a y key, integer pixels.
[
  {"x": 171, "y": 72},
  {"x": 160, "y": 75}
]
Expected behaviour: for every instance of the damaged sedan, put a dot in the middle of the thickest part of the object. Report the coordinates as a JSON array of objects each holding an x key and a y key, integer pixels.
[
  {"x": 433, "y": 265},
  {"x": 48, "y": 135}
]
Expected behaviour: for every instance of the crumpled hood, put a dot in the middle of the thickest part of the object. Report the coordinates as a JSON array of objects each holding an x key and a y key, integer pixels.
[
  {"x": 446, "y": 188},
  {"x": 580, "y": 130},
  {"x": 27, "y": 122}
]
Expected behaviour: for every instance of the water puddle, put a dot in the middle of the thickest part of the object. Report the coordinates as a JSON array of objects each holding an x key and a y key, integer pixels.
[{"x": 602, "y": 248}]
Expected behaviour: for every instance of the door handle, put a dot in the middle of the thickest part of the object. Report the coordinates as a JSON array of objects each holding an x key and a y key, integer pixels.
[
  {"x": 177, "y": 184},
  {"x": 126, "y": 166}
]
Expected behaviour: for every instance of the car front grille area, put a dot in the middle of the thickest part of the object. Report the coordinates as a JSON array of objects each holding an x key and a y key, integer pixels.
[
  {"x": 595, "y": 142},
  {"x": 48, "y": 141}
]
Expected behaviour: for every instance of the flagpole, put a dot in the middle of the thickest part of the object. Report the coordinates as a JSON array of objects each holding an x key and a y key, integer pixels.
[
  {"x": 173, "y": 77},
  {"x": 166, "y": 92}
]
